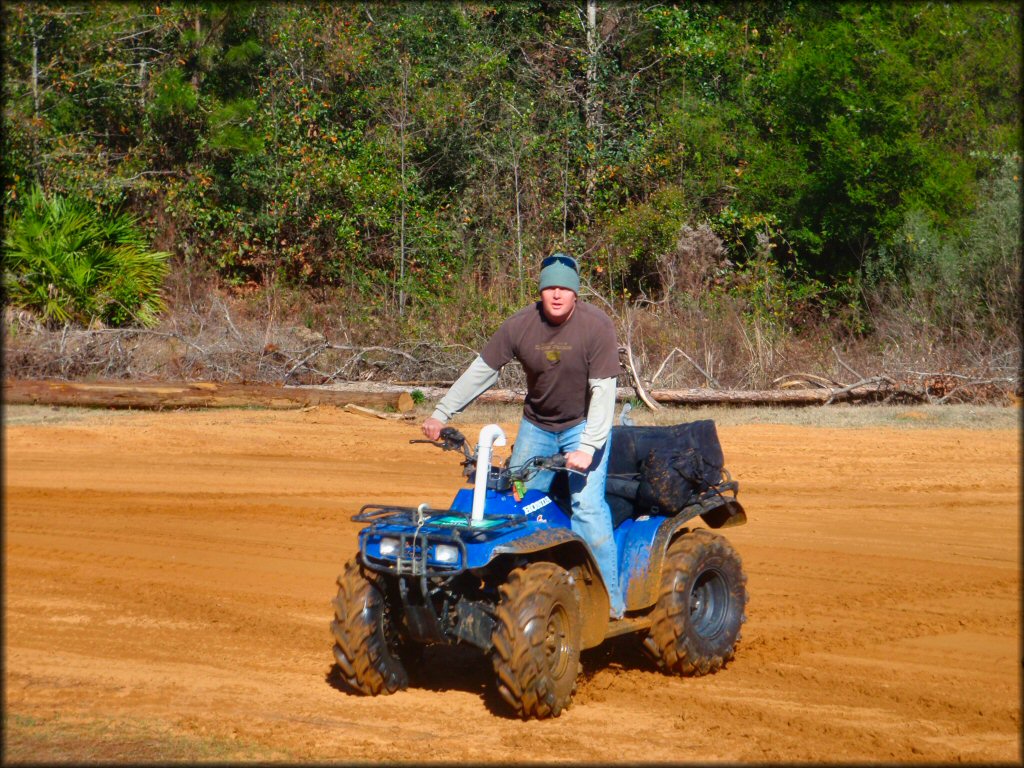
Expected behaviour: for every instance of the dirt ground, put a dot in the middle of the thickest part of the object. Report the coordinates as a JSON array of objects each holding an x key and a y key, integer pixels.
[{"x": 168, "y": 577}]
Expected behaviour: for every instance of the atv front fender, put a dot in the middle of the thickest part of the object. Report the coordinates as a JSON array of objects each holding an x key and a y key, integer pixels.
[{"x": 564, "y": 548}]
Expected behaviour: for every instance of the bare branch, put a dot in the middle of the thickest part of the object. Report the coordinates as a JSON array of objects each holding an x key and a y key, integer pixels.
[
  {"x": 819, "y": 381},
  {"x": 858, "y": 375},
  {"x": 707, "y": 376},
  {"x": 637, "y": 385}
]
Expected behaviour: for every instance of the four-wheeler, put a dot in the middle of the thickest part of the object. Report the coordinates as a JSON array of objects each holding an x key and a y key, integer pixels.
[{"x": 502, "y": 570}]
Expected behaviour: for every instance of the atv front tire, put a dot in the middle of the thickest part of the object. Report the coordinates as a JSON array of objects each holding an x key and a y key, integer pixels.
[
  {"x": 366, "y": 641},
  {"x": 696, "y": 622},
  {"x": 536, "y": 653}
]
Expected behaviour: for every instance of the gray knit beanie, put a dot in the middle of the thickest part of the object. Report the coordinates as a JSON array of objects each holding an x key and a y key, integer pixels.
[{"x": 560, "y": 270}]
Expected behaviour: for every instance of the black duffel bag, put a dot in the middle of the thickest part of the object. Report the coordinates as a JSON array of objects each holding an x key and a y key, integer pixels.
[{"x": 660, "y": 470}]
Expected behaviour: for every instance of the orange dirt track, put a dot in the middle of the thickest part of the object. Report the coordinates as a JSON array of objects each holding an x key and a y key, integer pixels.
[{"x": 173, "y": 572}]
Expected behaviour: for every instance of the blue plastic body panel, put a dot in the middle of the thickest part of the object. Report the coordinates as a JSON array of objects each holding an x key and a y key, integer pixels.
[
  {"x": 634, "y": 539},
  {"x": 537, "y": 506},
  {"x": 505, "y": 522},
  {"x": 509, "y": 526}
]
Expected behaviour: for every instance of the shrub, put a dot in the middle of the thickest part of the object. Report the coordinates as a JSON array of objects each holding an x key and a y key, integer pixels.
[
  {"x": 71, "y": 263},
  {"x": 641, "y": 237},
  {"x": 958, "y": 286}
]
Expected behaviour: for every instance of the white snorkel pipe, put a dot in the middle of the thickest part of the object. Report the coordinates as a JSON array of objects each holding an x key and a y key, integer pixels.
[{"x": 490, "y": 436}]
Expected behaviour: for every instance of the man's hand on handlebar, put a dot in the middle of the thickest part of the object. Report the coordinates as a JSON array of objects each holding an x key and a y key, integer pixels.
[
  {"x": 432, "y": 428},
  {"x": 555, "y": 463},
  {"x": 578, "y": 460},
  {"x": 446, "y": 438}
]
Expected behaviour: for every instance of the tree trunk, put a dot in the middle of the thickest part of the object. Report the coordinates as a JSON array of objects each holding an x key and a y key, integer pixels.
[
  {"x": 519, "y": 214},
  {"x": 592, "y": 105},
  {"x": 401, "y": 232},
  {"x": 35, "y": 76}
]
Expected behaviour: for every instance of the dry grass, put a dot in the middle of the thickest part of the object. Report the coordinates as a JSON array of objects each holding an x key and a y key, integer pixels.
[
  {"x": 838, "y": 416},
  {"x": 212, "y": 334},
  {"x": 15, "y": 415}
]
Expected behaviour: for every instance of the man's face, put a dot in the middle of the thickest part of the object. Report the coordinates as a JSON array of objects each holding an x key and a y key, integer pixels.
[{"x": 558, "y": 304}]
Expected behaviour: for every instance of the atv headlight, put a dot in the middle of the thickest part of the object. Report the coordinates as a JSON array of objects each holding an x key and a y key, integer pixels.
[
  {"x": 388, "y": 546},
  {"x": 446, "y": 553}
]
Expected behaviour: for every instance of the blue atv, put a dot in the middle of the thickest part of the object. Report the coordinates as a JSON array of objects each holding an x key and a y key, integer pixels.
[{"x": 502, "y": 570}]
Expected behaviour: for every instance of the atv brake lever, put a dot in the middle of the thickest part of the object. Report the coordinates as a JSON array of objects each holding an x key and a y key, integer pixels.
[
  {"x": 444, "y": 445},
  {"x": 557, "y": 461}
]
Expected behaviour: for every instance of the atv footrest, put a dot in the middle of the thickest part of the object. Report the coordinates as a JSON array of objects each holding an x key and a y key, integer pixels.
[{"x": 626, "y": 625}]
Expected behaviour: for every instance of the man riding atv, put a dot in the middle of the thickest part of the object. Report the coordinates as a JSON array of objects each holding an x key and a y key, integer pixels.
[
  {"x": 532, "y": 571},
  {"x": 569, "y": 353}
]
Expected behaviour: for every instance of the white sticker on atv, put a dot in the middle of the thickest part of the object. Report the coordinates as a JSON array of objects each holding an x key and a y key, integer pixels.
[
  {"x": 462, "y": 522},
  {"x": 531, "y": 508}
]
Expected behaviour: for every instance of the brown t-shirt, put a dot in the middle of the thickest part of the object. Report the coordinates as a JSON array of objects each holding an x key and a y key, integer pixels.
[{"x": 558, "y": 361}]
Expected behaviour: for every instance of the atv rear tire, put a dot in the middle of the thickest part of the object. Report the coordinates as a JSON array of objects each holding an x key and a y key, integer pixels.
[
  {"x": 366, "y": 642},
  {"x": 696, "y": 622},
  {"x": 536, "y": 653}
]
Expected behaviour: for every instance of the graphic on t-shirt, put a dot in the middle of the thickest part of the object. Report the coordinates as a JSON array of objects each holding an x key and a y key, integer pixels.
[{"x": 553, "y": 352}]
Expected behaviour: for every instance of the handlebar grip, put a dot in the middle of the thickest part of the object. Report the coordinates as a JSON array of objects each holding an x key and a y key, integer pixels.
[
  {"x": 451, "y": 434},
  {"x": 557, "y": 461}
]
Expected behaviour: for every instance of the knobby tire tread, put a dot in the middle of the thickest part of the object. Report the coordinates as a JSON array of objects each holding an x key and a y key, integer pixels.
[
  {"x": 671, "y": 640},
  {"x": 523, "y": 678},
  {"x": 360, "y": 647}
]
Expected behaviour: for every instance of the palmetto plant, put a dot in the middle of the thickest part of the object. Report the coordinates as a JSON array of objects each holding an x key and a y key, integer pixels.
[{"x": 71, "y": 263}]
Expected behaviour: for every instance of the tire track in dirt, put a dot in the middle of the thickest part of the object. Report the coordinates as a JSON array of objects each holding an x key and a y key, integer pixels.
[{"x": 178, "y": 568}]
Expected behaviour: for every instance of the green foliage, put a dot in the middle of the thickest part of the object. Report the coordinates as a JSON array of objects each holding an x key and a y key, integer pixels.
[
  {"x": 745, "y": 231},
  {"x": 641, "y": 238},
  {"x": 71, "y": 263},
  {"x": 406, "y": 155},
  {"x": 174, "y": 97},
  {"x": 774, "y": 300},
  {"x": 960, "y": 283}
]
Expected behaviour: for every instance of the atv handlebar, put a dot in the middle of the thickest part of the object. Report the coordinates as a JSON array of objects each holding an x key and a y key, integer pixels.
[
  {"x": 537, "y": 464},
  {"x": 553, "y": 463},
  {"x": 450, "y": 440}
]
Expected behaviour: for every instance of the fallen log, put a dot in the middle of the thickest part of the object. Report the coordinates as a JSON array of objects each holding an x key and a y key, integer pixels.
[
  {"x": 697, "y": 396},
  {"x": 806, "y": 396},
  {"x": 794, "y": 396},
  {"x": 119, "y": 394}
]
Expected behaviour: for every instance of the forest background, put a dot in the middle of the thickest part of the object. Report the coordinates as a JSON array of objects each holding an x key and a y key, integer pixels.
[{"x": 307, "y": 193}]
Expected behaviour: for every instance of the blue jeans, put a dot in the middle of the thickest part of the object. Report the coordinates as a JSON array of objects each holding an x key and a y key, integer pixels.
[{"x": 591, "y": 516}]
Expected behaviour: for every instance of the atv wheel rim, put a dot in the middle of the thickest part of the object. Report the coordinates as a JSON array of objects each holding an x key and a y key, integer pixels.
[
  {"x": 709, "y": 603},
  {"x": 556, "y": 641},
  {"x": 388, "y": 630}
]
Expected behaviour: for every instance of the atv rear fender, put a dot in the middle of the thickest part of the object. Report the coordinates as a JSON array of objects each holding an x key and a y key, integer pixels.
[{"x": 642, "y": 562}]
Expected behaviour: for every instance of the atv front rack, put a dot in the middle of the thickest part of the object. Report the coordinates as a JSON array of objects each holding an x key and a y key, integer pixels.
[
  {"x": 430, "y": 528},
  {"x": 376, "y": 513}
]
